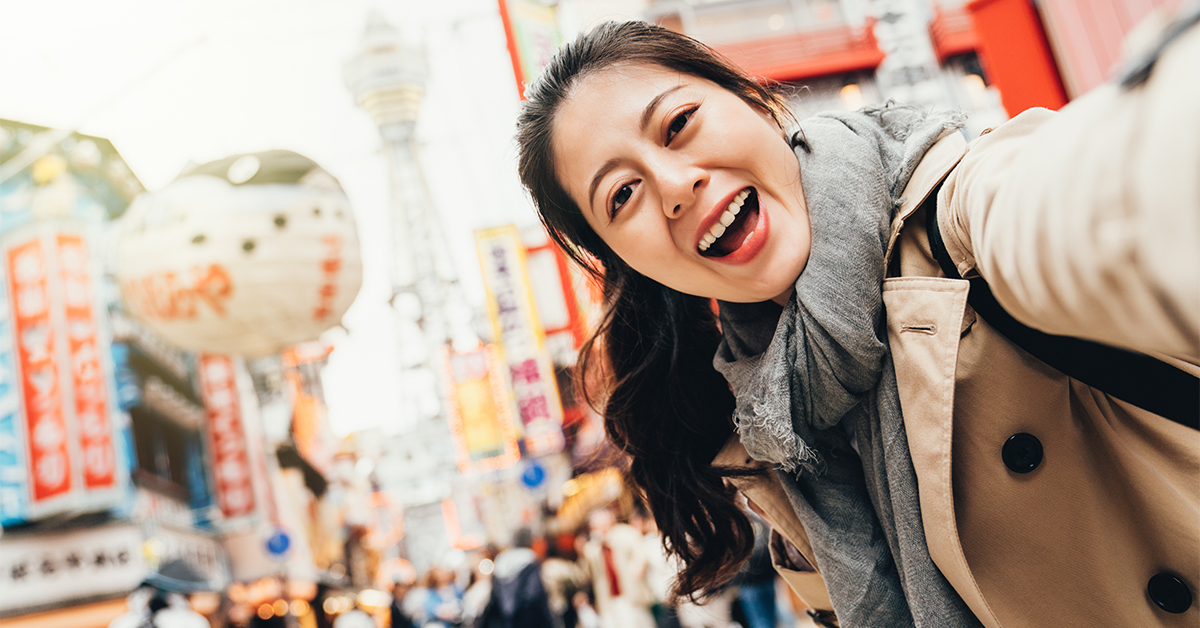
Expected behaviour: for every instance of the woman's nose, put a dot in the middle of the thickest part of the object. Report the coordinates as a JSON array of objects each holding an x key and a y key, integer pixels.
[{"x": 680, "y": 188}]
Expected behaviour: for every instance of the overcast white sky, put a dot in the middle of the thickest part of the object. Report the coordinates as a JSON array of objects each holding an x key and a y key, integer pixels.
[{"x": 173, "y": 81}]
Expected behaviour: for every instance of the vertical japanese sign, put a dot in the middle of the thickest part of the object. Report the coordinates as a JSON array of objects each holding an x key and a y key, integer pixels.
[
  {"x": 14, "y": 484},
  {"x": 519, "y": 334},
  {"x": 227, "y": 437},
  {"x": 45, "y": 421},
  {"x": 480, "y": 411},
  {"x": 87, "y": 379}
]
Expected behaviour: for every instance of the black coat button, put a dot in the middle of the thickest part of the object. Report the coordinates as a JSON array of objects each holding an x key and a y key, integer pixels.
[
  {"x": 1169, "y": 593},
  {"x": 1022, "y": 453}
]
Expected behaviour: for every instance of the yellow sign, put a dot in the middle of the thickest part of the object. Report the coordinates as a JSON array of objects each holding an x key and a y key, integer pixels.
[{"x": 479, "y": 411}]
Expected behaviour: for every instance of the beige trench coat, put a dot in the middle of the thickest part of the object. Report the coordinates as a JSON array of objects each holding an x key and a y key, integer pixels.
[{"x": 1083, "y": 225}]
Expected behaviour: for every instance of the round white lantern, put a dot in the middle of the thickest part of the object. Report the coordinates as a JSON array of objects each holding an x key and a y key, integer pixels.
[{"x": 245, "y": 255}]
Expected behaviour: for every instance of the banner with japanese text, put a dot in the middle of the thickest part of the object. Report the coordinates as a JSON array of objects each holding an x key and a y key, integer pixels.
[
  {"x": 520, "y": 338},
  {"x": 228, "y": 445},
  {"x": 38, "y": 359}
]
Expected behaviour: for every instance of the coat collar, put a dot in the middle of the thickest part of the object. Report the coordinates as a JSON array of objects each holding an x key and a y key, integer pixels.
[{"x": 941, "y": 158}]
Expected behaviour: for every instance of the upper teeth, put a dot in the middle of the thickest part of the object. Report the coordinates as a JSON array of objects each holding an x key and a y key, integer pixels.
[{"x": 726, "y": 219}]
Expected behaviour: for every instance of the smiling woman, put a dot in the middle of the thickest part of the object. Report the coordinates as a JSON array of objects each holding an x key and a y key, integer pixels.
[
  {"x": 676, "y": 179},
  {"x": 654, "y": 344},
  {"x": 665, "y": 157}
]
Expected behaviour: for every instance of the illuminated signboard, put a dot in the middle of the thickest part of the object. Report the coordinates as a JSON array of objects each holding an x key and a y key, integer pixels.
[{"x": 480, "y": 411}]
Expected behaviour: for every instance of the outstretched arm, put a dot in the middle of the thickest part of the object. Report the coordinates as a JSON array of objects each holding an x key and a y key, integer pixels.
[{"x": 1086, "y": 222}]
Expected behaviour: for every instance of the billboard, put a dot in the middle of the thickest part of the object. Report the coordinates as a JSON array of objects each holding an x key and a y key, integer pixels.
[
  {"x": 520, "y": 338},
  {"x": 53, "y": 380}
]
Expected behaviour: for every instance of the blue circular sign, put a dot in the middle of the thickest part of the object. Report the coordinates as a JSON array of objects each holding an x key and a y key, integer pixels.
[
  {"x": 534, "y": 475},
  {"x": 278, "y": 543}
]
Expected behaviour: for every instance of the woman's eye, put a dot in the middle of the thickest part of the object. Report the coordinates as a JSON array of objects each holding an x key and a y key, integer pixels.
[
  {"x": 620, "y": 198},
  {"x": 678, "y": 123}
]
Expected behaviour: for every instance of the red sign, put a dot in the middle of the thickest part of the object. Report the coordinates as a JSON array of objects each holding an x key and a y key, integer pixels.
[
  {"x": 46, "y": 424},
  {"x": 87, "y": 373},
  {"x": 231, "y": 460}
]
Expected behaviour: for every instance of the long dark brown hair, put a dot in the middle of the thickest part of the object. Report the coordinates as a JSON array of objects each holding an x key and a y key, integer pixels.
[{"x": 663, "y": 403}]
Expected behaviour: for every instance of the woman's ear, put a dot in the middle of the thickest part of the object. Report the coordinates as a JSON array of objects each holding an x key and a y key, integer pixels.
[{"x": 797, "y": 140}]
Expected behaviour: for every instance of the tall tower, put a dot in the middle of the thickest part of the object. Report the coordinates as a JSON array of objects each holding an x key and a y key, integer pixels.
[{"x": 387, "y": 78}]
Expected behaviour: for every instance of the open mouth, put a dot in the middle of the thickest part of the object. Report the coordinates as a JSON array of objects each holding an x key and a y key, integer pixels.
[{"x": 734, "y": 226}]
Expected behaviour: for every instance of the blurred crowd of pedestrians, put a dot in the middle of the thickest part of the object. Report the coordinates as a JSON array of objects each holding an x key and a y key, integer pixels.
[{"x": 611, "y": 574}]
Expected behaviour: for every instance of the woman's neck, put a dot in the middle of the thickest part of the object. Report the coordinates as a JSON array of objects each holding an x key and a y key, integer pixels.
[{"x": 783, "y": 298}]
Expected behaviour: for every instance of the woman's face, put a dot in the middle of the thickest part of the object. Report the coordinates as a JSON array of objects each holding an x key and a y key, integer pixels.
[{"x": 685, "y": 181}]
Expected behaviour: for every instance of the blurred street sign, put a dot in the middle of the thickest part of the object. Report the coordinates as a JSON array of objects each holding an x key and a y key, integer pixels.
[
  {"x": 534, "y": 474},
  {"x": 278, "y": 543}
]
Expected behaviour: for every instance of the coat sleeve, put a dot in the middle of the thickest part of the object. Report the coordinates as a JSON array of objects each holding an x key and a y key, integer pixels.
[{"x": 1086, "y": 222}]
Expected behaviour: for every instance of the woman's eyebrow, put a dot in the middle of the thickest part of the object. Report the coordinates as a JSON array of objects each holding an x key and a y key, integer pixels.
[
  {"x": 605, "y": 169},
  {"x": 648, "y": 112}
]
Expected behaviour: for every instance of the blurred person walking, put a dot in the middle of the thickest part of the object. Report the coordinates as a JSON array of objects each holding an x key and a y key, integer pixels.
[
  {"x": 660, "y": 569},
  {"x": 563, "y": 578},
  {"x": 715, "y": 612},
  {"x": 354, "y": 618},
  {"x": 756, "y": 582},
  {"x": 442, "y": 603},
  {"x": 479, "y": 587},
  {"x": 518, "y": 597},
  {"x": 154, "y": 608},
  {"x": 585, "y": 610},
  {"x": 400, "y": 614},
  {"x": 160, "y": 601},
  {"x": 616, "y": 559}
]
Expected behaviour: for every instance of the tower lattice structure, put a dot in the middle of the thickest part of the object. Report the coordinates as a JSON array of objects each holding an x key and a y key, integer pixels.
[{"x": 388, "y": 80}]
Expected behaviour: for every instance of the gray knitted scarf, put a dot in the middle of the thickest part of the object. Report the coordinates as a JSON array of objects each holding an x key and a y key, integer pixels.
[{"x": 814, "y": 379}]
